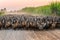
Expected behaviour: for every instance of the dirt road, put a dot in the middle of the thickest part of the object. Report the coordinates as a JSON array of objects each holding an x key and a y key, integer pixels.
[
  {"x": 22, "y": 13},
  {"x": 29, "y": 35}
]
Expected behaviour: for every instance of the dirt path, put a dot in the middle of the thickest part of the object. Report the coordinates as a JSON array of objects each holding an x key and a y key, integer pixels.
[
  {"x": 29, "y": 35},
  {"x": 20, "y": 13}
]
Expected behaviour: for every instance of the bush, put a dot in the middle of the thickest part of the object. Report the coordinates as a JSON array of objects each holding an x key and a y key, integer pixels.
[{"x": 55, "y": 8}]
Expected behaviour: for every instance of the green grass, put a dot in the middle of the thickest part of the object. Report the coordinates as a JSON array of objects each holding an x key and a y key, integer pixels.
[
  {"x": 1, "y": 13},
  {"x": 53, "y": 8}
]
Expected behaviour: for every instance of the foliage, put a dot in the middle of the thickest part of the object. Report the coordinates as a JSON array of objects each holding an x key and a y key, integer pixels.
[
  {"x": 1, "y": 13},
  {"x": 53, "y": 8}
]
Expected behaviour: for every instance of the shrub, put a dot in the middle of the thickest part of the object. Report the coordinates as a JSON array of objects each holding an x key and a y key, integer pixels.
[{"x": 55, "y": 8}]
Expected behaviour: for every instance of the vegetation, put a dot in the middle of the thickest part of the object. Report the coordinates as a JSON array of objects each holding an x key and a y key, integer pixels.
[
  {"x": 1, "y": 13},
  {"x": 53, "y": 8}
]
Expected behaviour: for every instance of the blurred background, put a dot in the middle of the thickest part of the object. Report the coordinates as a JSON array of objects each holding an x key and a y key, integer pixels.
[{"x": 38, "y": 7}]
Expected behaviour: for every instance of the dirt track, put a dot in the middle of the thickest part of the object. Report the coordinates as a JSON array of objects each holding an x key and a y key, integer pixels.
[
  {"x": 22, "y": 13},
  {"x": 29, "y": 35}
]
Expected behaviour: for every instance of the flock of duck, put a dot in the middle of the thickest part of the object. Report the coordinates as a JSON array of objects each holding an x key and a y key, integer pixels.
[{"x": 29, "y": 21}]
